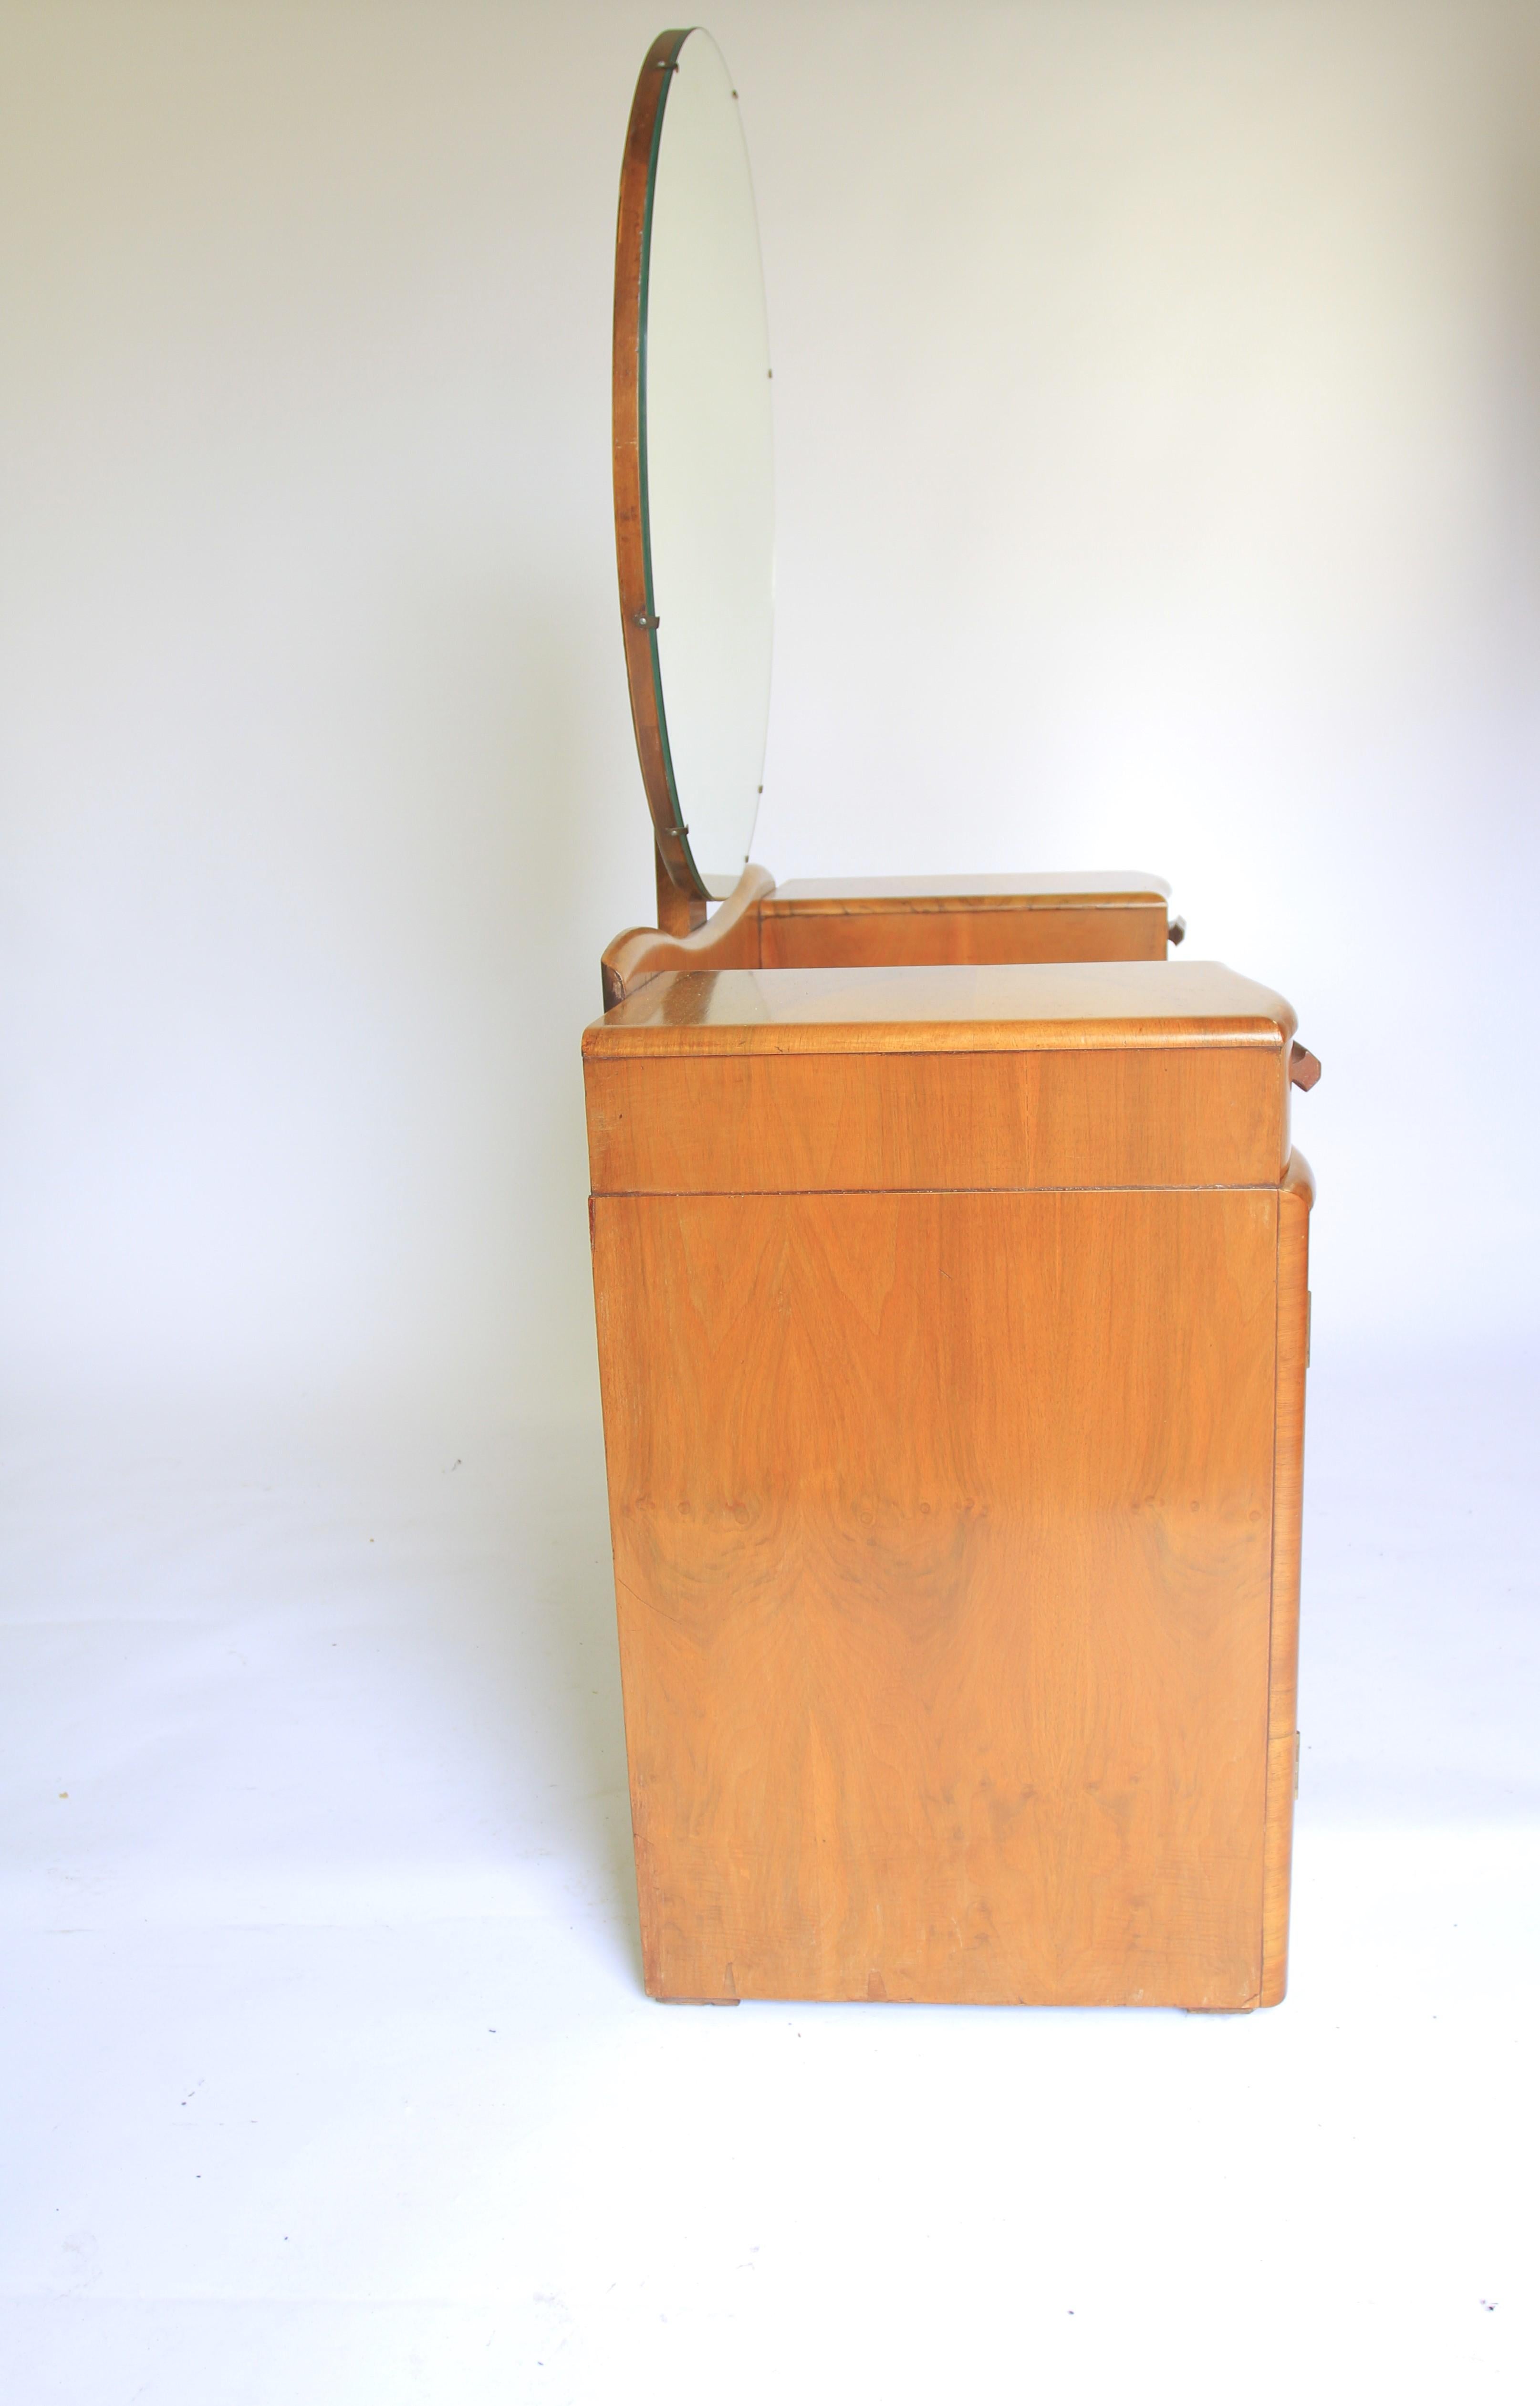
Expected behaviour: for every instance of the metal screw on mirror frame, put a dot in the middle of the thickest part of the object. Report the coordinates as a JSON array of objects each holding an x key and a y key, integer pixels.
[{"x": 643, "y": 619}]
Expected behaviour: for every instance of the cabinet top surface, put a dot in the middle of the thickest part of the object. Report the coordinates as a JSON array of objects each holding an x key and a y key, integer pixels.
[
  {"x": 1045, "y": 1007},
  {"x": 1042, "y": 889}
]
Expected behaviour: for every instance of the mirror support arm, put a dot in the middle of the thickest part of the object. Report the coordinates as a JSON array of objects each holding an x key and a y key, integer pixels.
[{"x": 679, "y": 912}]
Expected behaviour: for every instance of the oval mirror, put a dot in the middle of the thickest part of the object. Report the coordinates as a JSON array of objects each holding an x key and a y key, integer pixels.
[{"x": 693, "y": 485}]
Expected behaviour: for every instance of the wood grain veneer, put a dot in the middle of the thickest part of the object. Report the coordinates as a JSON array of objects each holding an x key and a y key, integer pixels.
[
  {"x": 1030, "y": 891},
  {"x": 1293, "y": 1340},
  {"x": 858, "y": 922},
  {"x": 729, "y": 940},
  {"x": 862, "y": 923},
  {"x": 942, "y": 1546},
  {"x": 1111, "y": 1074},
  {"x": 1012, "y": 1007},
  {"x": 1155, "y": 1117},
  {"x": 951, "y": 1330}
]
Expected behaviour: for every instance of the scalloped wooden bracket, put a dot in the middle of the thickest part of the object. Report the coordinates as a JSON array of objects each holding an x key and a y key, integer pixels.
[{"x": 729, "y": 940}]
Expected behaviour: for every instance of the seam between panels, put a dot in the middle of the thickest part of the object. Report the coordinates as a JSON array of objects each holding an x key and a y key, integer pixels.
[{"x": 764, "y": 1193}]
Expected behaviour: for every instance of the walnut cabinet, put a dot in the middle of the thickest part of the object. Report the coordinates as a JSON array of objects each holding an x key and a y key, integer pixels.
[{"x": 953, "y": 1325}]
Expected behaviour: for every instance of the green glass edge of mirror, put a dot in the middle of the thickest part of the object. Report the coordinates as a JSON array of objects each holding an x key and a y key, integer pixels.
[{"x": 670, "y": 70}]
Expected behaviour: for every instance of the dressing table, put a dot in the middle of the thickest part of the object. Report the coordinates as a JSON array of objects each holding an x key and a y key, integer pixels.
[{"x": 950, "y": 1273}]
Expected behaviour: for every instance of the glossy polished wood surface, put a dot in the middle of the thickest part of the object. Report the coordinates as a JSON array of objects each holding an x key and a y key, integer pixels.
[
  {"x": 1112, "y": 1074},
  {"x": 871, "y": 922},
  {"x": 942, "y": 1541},
  {"x": 729, "y": 940},
  {"x": 1147, "y": 1117},
  {"x": 1104, "y": 932},
  {"x": 1294, "y": 1342},
  {"x": 1040, "y": 889},
  {"x": 1008, "y": 1006},
  {"x": 952, "y": 1338},
  {"x": 858, "y": 922}
]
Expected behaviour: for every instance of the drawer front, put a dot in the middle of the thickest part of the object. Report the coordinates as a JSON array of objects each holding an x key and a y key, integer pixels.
[{"x": 1161, "y": 1115}]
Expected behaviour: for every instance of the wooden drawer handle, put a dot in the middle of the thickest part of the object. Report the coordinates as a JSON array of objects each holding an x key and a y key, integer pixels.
[
  {"x": 1303, "y": 1068},
  {"x": 1175, "y": 930}
]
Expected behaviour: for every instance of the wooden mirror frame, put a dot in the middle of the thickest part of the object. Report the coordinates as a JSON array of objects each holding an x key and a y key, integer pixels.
[{"x": 681, "y": 899}]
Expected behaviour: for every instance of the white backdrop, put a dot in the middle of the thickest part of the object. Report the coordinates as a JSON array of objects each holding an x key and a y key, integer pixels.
[
  {"x": 1159, "y": 485},
  {"x": 1156, "y": 394}
]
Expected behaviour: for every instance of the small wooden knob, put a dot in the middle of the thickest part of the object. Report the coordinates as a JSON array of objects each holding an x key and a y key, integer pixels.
[
  {"x": 1175, "y": 930},
  {"x": 1303, "y": 1068}
]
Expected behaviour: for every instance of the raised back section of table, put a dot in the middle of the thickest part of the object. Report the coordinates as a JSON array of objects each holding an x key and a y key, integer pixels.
[{"x": 875, "y": 922}]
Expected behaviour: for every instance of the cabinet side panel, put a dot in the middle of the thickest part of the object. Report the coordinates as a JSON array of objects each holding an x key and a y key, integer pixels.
[
  {"x": 1200, "y": 1116},
  {"x": 872, "y": 939},
  {"x": 942, "y": 1548},
  {"x": 1293, "y": 1304}
]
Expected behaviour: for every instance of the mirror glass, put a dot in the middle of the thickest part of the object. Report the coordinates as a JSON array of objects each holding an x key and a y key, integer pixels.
[{"x": 707, "y": 498}]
